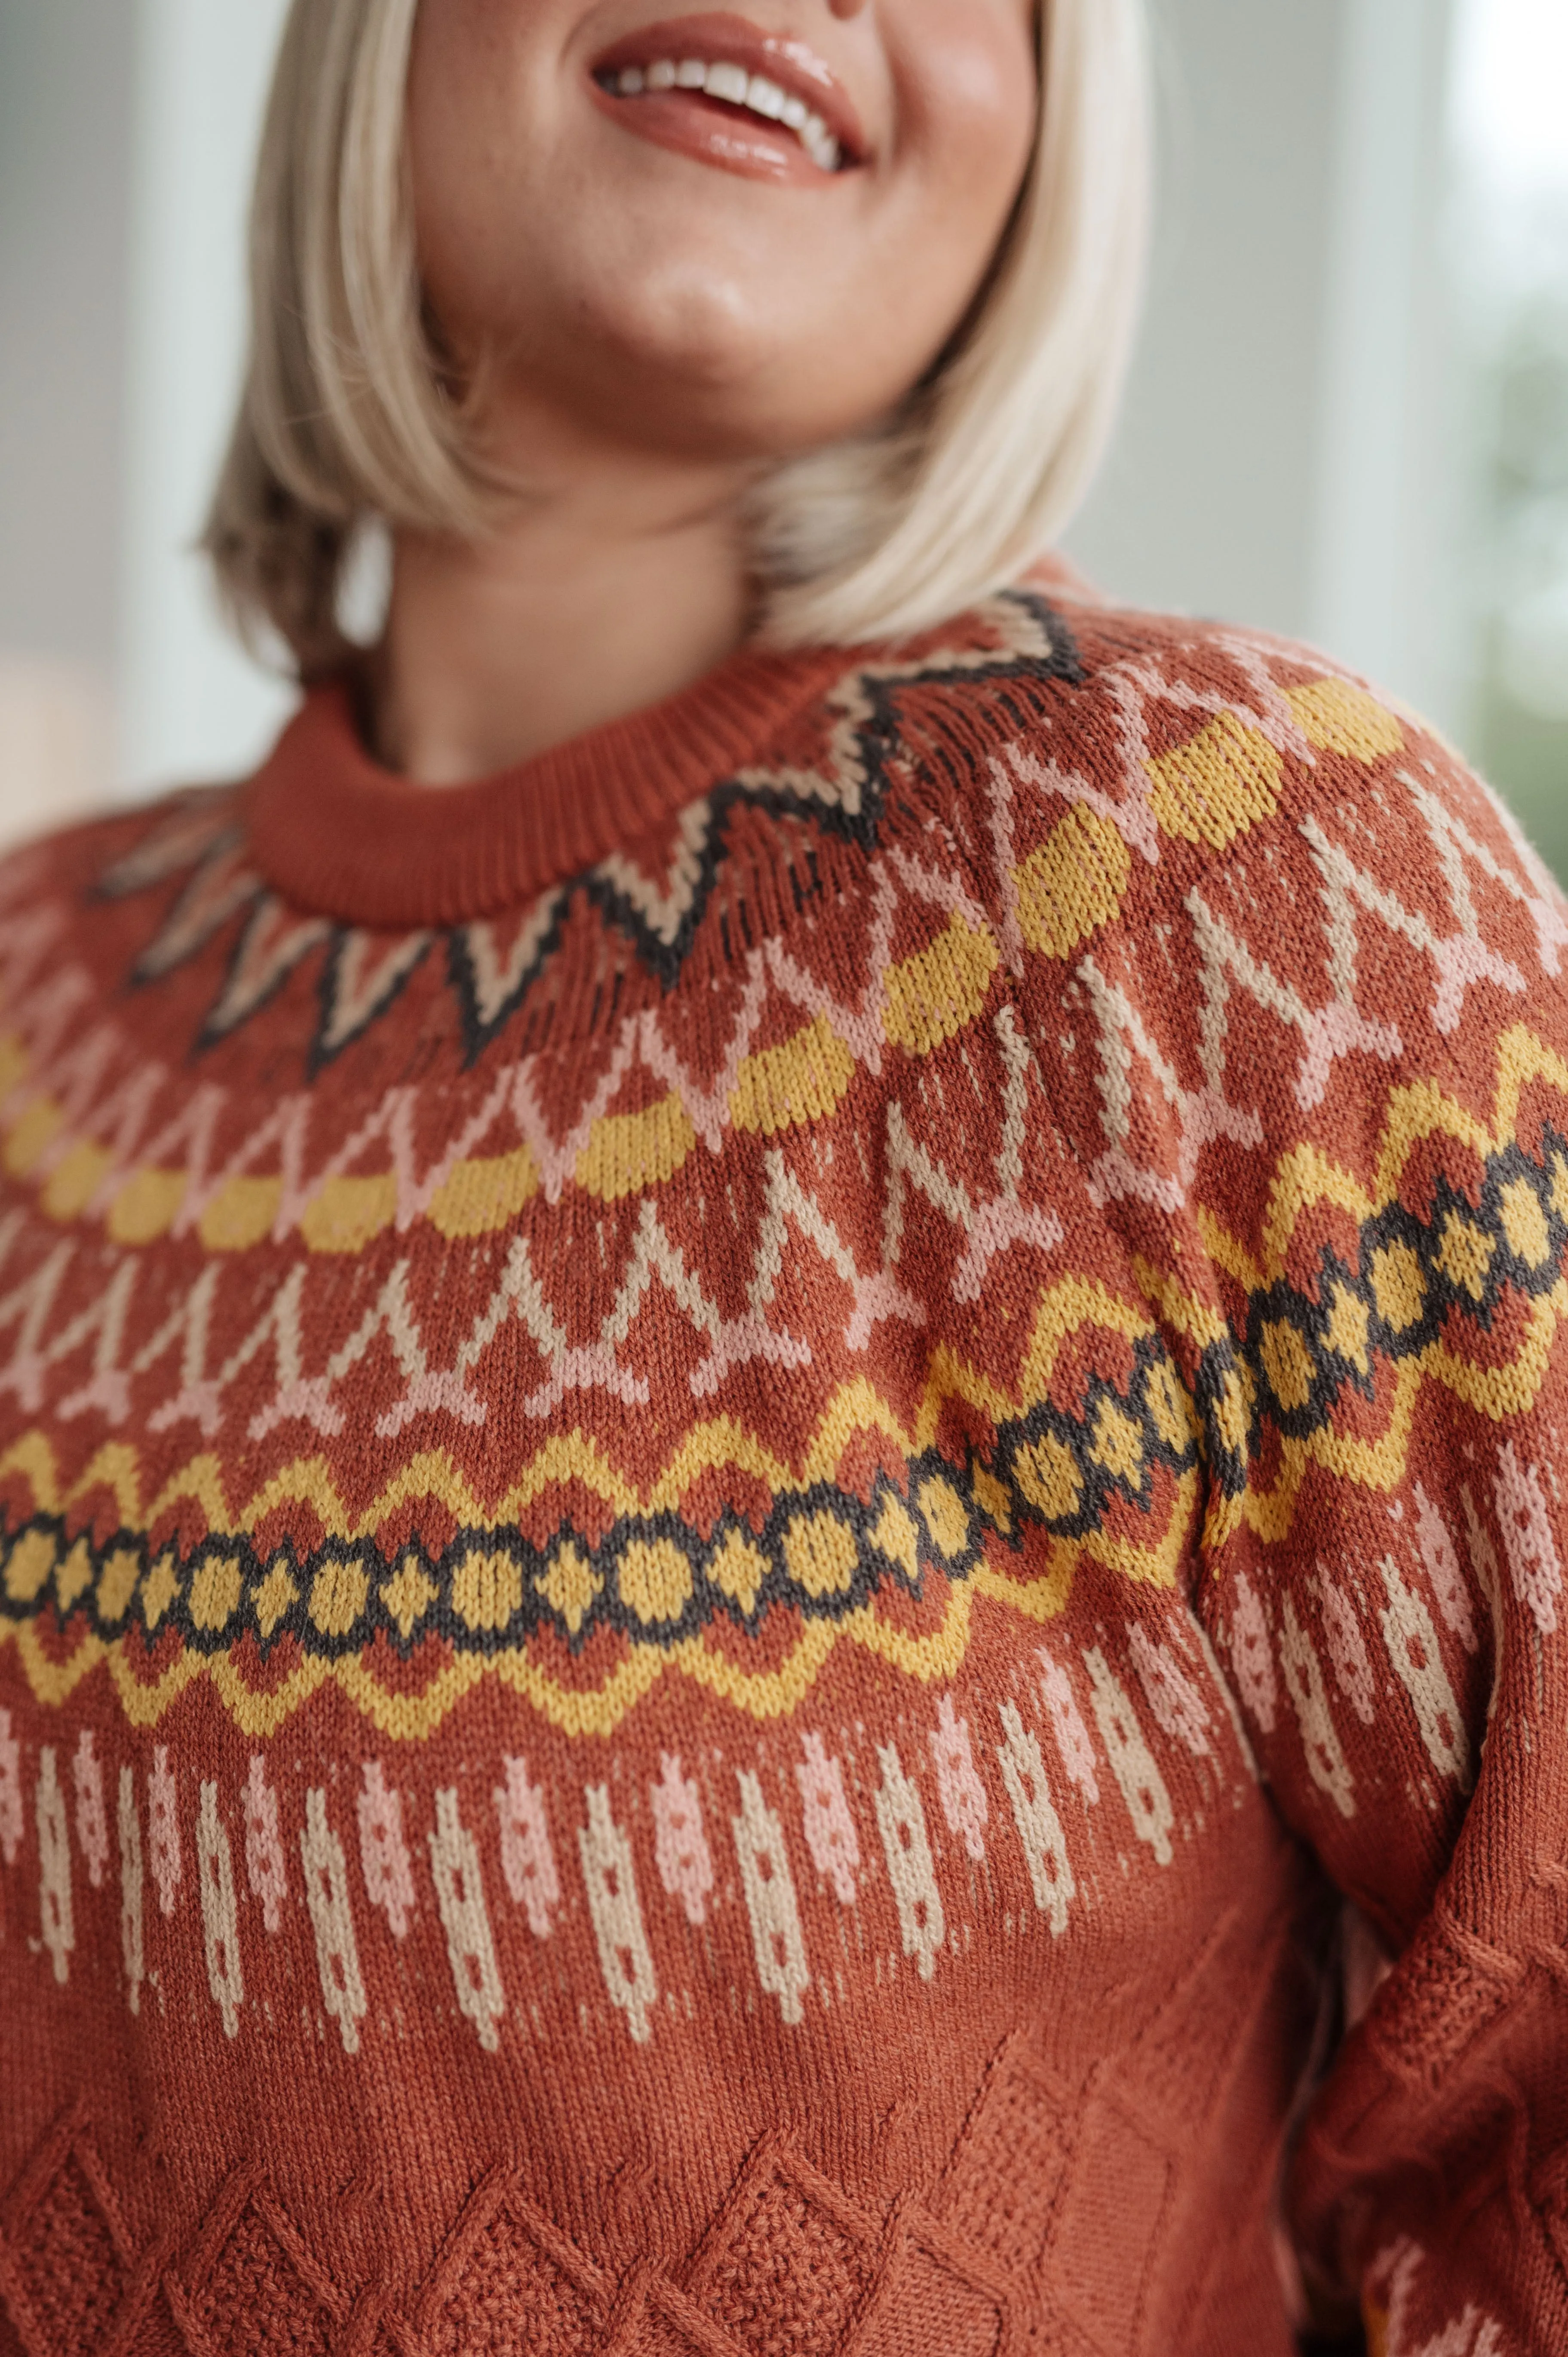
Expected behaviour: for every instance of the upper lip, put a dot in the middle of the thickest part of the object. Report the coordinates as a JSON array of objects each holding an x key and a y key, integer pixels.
[{"x": 715, "y": 38}]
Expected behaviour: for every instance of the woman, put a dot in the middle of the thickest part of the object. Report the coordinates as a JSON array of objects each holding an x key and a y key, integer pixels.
[{"x": 783, "y": 1343}]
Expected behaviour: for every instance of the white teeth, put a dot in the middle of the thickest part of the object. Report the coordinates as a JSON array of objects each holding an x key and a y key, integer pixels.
[
  {"x": 736, "y": 87},
  {"x": 728, "y": 82},
  {"x": 820, "y": 144}
]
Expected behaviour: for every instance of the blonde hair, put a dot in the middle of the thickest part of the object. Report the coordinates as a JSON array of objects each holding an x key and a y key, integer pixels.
[{"x": 347, "y": 417}]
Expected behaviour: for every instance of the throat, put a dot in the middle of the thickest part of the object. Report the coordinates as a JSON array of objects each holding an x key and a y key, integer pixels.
[{"x": 495, "y": 653}]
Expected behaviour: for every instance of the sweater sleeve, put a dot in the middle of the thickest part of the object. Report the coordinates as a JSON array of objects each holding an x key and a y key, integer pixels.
[{"x": 1297, "y": 990}]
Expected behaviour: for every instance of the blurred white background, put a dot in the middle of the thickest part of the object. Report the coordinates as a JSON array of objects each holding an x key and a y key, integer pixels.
[{"x": 1349, "y": 418}]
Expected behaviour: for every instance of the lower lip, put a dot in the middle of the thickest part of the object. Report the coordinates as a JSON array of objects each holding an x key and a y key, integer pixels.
[{"x": 688, "y": 124}]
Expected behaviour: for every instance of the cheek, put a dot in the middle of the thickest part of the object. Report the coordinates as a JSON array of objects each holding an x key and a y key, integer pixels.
[
  {"x": 968, "y": 102},
  {"x": 467, "y": 97},
  {"x": 968, "y": 111}
]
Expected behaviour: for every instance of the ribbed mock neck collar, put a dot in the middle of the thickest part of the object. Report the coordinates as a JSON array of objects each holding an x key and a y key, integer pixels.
[{"x": 336, "y": 833}]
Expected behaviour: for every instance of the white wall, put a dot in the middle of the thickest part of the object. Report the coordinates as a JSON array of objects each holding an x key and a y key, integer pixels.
[
  {"x": 1282, "y": 459},
  {"x": 192, "y": 705},
  {"x": 65, "y": 167},
  {"x": 1207, "y": 504},
  {"x": 1384, "y": 588}
]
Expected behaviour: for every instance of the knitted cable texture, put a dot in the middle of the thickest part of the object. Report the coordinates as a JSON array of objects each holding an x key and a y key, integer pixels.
[{"x": 730, "y": 1473}]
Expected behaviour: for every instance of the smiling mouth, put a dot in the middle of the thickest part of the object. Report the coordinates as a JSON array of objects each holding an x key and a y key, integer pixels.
[{"x": 727, "y": 88}]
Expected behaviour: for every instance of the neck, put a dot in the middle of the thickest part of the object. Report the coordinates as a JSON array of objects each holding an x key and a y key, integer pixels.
[{"x": 616, "y": 584}]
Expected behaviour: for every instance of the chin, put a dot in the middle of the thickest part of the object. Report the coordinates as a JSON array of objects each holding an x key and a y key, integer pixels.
[{"x": 702, "y": 351}]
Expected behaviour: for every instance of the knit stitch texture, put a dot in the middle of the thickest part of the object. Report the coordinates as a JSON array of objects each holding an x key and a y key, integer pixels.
[{"x": 738, "y": 1477}]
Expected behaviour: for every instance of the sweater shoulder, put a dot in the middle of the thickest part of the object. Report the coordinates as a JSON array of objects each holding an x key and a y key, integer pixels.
[
  {"x": 88, "y": 865},
  {"x": 1239, "y": 898},
  {"x": 1156, "y": 768}
]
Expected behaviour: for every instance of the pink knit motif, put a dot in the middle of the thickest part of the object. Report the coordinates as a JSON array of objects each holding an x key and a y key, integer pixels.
[
  {"x": 1527, "y": 1541},
  {"x": 959, "y": 1788},
  {"x": 163, "y": 1829},
  {"x": 263, "y": 1848},
  {"x": 91, "y": 1824},
  {"x": 1441, "y": 1557},
  {"x": 1174, "y": 1699},
  {"x": 831, "y": 1834},
  {"x": 681, "y": 1846},
  {"x": 1347, "y": 1648},
  {"x": 1074, "y": 1741},
  {"x": 1251, "y": 1655},
  {"x": 383, "y": 1851},
  {"x": 528, "y": 1858}
]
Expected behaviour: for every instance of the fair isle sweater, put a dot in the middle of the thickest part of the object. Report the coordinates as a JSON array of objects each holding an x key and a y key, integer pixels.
[{"x": 738, "y": 1476}]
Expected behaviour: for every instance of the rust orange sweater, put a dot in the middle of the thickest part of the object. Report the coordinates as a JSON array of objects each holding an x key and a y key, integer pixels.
[{"x": 734, "y": 1472}]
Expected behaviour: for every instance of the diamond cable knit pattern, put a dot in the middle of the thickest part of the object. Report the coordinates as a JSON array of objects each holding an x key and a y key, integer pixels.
[{"x": 737, "y": 1475}]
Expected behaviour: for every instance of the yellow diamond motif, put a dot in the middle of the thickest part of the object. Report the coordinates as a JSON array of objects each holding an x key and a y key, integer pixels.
[
  {"x": 1288, "y": 1365},
  {"x": 1349, "y": 1326},
  {"x": 28, "y": 1566},
  {"x": 1466, "y": 1256},
  {"x": 1340, "y": 719},
  {"x": 897, "y": 1538},
  {"x": 947, "y": 1517},
  {"x": 1074, "y": 883},
  {"x": 1118, "y": 1442},
  {"x": 1524, "y": 1224},
  {"x": 1170, "y": 1407},
  {"x": 1049, "y": 1476},
  {"x": 74, "y": 1576},
  {"x": 936, "y": 994},
  {"x": 1398, "y": 1286},
  {"x": 147, "y": 1206},
  {"x": 569, "y": 1586},
  {"x": 1233, "y": 1412},
  {"x": 992, "y": 1499},
  {"x": 408, "y": 1595},
  {"x": 803, "y": 1080},
  {"x": 75, "y": 1180},
  {"x": 117, "y": 1584},
  {"x": 159, "y": 1590},
  {"x": 738, "y": 1571},
  {"x": 272, "y": 1597},
  {"x": 1217, "y": 786}
]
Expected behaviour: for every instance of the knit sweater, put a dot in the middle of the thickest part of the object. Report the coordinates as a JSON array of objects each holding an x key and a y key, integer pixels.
[{"x": 741, "y": 1478}]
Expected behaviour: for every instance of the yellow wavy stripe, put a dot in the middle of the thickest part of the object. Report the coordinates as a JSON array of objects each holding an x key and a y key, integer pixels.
[
  {"x": 1416, "y": 1111},
  {"x": 1177, "y": 1306},
  {"x": 1497, "y": 1393},
  {"x": 762, "y": 1695}
]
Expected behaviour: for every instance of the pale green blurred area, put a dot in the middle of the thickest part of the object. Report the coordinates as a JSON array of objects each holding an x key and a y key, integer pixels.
[
  {"x": 1507, "y": 251},
  {"x": 1520, "y": 727}
]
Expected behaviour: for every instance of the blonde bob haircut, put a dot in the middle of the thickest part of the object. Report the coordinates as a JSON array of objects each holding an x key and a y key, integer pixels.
[{"x": 346, "y": 419}]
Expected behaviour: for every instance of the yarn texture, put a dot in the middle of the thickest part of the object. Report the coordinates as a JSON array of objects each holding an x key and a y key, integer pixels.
[{"x": 740, "y": 1480}]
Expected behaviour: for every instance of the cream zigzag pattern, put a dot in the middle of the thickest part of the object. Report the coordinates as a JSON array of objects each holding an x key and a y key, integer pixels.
[
  {"x": 55, "y": 1125},
  {"x": 1065, "y": 1309},
  {"x": 53, "y": 1122}
]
